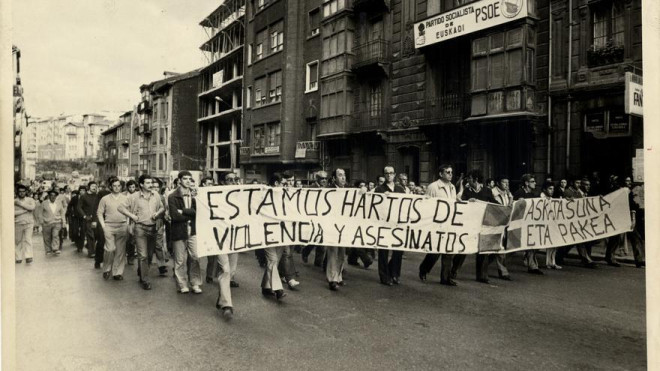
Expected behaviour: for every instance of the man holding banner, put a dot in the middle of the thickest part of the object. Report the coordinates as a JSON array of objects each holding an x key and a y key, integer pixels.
[
  {"x": 503, "y": 197},
  {"x": 321, "y": 181},
  {"x": 527, "y": 190},
  {"x": 572, "y": 193},
  {"x": 271, "y": 283},
  {"x": 335, "y": 255},
  {"x": 450, "y": 263},
  {"x": 389, "y": 272}
]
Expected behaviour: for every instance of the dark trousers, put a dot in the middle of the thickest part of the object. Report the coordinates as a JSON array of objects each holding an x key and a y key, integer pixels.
[
  {"x": 483, "y": 260},
  {"x": 614, "y": 242},
  {"x": 95, "y": 241},
  {"x": 78, "y": 232},
  {"x": 362, "y": 254},
  {"x": 451, "y": 263},
  {"x": 319, "y": 253},
  {"x": 261, "y": 257},
  {"x": 389, "y": 269}
]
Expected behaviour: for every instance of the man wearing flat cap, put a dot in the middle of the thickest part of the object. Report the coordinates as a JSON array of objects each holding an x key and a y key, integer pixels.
[{"x": 51, "y": 215}]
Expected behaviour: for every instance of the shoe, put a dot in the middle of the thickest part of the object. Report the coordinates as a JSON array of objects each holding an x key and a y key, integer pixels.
[
  {"x": 351, "y": 262},
  {"x": 184, "y": 290},
  {"x": 557, "y": 267},
  {"x": 292, "y": 284},
  {"x": 131, "y": 261},
  {"x": 146, "y": 285},
  {"x": 280, "y": 294},
  {"x": 334, "y": 286},
  {"x": 535, "y": 271},
  {"x": 368, "y": 264},
  {"x": 267, "y": 292},
  {"x": 233, "y": 284},
  {"x": 49, "y": 253},
  {"x": 209, "y": 279},
  {"x": 97, "y": 265},
  {"x": 386, "y": 282},
  {"x": 227, "y": 313},
  {"x": 106, "y": 275},
  {"x": 342, "y": 283},
  {"x": 58, "y": 252},
  {"x": 395, "y": 280},
  {"x": 449, "y": 282},
  {"x": 29, "y": 260},
  {"x": 422, "y": 276},
  {"x": 162, "y": 270},
  {"x": 20, "y": 261},
  {"x": 118, "y": 277},
  {"x": 638, "y": 265},
  {"x": 453, "y": 275},
  {"x": 483, "y": 280},
  {"x": 196, "y": 289},
  {"x": 506, "y": 278},
  {"x": 612, "y": 263}
]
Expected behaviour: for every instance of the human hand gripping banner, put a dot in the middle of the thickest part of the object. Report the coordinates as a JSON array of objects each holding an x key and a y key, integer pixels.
[
  {"x": 234, "y": 219},
  {"x": 543, "y": 223}
]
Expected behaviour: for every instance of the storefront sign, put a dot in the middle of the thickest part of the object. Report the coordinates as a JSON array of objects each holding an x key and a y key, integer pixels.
[
  {"x": 594, "y": 122},
  {"x": 634, "y": 95},
  {"x": 618, "y": 124},
  {"x": 470, "y": 18}
]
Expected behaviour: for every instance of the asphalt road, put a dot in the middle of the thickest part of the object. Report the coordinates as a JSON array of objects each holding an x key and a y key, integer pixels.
[{"x": 69, "y": 318}]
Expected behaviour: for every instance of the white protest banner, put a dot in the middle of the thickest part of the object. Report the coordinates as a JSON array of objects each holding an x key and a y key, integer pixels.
[
  {"x": 241, "y": 218},
  {"x": 542, "y": 223}
]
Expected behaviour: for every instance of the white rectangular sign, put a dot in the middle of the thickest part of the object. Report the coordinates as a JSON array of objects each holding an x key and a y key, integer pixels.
[
  {"x": 634, "y": 95},
  {"x": 470, "y": 18}
]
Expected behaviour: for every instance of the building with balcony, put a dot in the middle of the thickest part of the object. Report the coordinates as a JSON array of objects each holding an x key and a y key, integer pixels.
[
  {"x": 165, "y": 135},
  {"x": 114, "y": 157},
  {"x": 595, "y": 87},
  {"x": 220, "y": 93}
]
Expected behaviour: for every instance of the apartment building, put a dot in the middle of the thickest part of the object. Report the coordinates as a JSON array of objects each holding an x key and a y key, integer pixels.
[
  {"x": 220, "y": 92},
  {"x": 115, "y": 153},
  {"x": 168, "y": 137}
]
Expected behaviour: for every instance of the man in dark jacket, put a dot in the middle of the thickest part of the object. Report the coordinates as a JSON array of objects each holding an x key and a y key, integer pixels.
[
  {"x": 183, "y": 235},
  {"x": 528, "y": 190},
  {"x": 87, "y": 206},
  {"x": 389, "y": 271}
]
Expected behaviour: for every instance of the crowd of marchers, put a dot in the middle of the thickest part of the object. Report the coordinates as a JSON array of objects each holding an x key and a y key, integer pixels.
[{"x": 128, "y": 223}]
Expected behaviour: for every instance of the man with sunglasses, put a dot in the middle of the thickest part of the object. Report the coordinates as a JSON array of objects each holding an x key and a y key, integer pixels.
[
  {"x": 115, "y": 230},
  {"x": 450, "y": 263},
  {"x": 528, "y": 190}
]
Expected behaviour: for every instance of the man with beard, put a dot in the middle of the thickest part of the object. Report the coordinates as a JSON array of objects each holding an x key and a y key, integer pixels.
[
  {"x": 450, "y": 263},
  {"x": 389, "y": 271},
  {"x": 335, "y": 255},
  {"x": 321, "y": 181}
]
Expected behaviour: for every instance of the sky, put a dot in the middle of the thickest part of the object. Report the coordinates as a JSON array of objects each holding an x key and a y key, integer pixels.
[{"x": 93, "y": 55}]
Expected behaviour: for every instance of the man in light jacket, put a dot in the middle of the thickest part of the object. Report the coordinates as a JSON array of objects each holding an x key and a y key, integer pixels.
[
  {"x": 51, "y": 215},
  {"x": 23, "y": 224}
]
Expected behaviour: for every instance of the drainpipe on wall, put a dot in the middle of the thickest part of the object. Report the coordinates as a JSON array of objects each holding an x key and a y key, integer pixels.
[
  {"x": 549, "y": 107},
  {"x": 568, "y": 85}
]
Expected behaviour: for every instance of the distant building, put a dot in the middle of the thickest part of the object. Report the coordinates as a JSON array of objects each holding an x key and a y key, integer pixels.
[
  {"x": 115, "y": 153},
  {"x": 69, "y": 137},
  {"x": 221, "y": 87},
  {"x": 168, "y": 134}
]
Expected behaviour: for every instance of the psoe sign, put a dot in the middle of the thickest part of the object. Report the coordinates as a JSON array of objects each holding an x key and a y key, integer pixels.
[
  {"x": 470, "y": 18},
  {"x": 634, "y": 95}
]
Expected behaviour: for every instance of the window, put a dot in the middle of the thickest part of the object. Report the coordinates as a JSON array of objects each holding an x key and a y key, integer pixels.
[
  {"x": 261, "y": 4},
  {"x": 314, "y": 19},
  {"x": 335, "y": 97},
  {"x": 260, "y": 92},
  {"x": 267, "y": 138},
  {"x": 375, "y": 101},
  {"x": 260, "y": 40},
  {"x": 275, "y": 87},
  {"x": 249, "y": 54},
  {"x": 248, "y": 94},
  {"x": 331, "y": 7},
  {"x": 155, "y": 111},
  {"x": 608, "y": 25},
  {"x": 276, "y": 37},
  {"x": 337, "y": 41},
  {"x": 312, "y": 77},
  {"x": 160, "y": 161},
  {"x": 166, "y": 107}
]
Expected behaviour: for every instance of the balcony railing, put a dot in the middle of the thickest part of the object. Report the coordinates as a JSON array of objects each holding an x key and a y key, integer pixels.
[
  {"x": 448, "y": 107},
  {"x": 144, "y": 106},
  {"x": 146, "y": 130},
  {"x": 371, "y": 52},
  {"x": 369, "y": 120}
]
